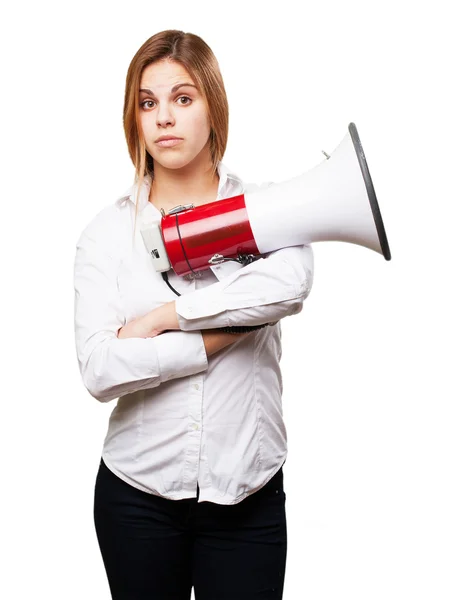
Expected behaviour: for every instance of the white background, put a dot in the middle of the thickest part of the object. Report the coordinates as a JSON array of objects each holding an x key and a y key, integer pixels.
[{"x": 364, "y": 364}]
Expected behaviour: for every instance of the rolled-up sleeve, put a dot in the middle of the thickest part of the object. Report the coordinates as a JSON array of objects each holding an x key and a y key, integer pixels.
[
  {"x": 267, "y": 290},
  {"x": 111, "y": 367}
]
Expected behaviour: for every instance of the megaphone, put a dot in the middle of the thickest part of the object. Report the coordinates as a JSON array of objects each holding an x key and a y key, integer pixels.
[{"x": 334, "y": 201}]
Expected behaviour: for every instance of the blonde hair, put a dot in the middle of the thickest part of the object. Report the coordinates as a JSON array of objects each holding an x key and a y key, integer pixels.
[{"x": 197, "y": 58}]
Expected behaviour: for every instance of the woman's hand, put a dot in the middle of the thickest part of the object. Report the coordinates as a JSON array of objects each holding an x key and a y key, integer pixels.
[
  {"x": 152, "y": 324},
  {"x": 138, "y": 328}
]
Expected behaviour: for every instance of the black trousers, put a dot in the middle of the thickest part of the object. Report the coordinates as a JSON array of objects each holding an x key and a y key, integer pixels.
[{"x": 158, "y": 549}]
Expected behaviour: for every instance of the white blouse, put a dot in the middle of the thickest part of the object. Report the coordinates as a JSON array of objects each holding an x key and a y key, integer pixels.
[{"x": 181, "y": 417}]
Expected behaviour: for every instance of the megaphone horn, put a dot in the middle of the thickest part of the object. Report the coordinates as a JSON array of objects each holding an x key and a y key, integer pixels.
[{"x": 334, "y": 201}]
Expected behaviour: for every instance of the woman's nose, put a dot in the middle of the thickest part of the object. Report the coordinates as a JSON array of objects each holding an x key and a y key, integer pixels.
[{"x": 164, "y": 116}]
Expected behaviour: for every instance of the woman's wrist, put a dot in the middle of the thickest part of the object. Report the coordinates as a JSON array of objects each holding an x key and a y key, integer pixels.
[{"x": 160, "y": 319}]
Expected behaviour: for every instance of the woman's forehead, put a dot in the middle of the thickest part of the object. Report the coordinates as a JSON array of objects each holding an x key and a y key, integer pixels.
[{"x": 165, "y": 74}]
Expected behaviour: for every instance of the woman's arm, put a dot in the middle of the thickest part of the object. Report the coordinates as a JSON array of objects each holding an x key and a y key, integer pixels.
[
  {"x": 264, "y": 291},
  {"x": 112, "y": 367},
  {"x": 147, "y": 326},
  {"x": 267, "y": 290},
  {"x": 215, "y": 340}
]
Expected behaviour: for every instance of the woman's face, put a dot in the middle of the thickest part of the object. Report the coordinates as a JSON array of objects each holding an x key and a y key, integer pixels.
[{"x": 181, "y": 113}]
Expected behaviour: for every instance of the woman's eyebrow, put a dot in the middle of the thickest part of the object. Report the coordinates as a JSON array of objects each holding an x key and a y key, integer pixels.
[{"x": 173, "y": 90}]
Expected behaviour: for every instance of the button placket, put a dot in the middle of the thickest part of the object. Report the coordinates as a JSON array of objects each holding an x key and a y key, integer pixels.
[
  {"x": 194, "y": 429},
  {"x": 195, "y": 424}
]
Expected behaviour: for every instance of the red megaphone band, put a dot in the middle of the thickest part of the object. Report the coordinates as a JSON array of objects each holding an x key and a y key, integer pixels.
[{"x": 193, "y": 236}]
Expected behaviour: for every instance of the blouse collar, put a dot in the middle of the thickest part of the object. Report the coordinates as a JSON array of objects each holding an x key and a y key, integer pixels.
[{"x": 225, "y": 175}]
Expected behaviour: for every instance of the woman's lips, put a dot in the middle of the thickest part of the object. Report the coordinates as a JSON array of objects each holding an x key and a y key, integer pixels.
[{"x": 168, "y": 143}]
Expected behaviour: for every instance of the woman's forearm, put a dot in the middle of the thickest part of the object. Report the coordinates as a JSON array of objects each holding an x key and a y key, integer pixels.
[
  {"x": 149, "y": 325},
  {"x": 214, "y": 340}
]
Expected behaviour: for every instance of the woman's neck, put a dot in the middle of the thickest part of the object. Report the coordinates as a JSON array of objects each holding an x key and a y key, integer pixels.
[{"x": 172, "y": 187}]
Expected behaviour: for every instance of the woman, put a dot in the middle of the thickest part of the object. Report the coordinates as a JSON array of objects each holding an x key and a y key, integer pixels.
[{"x": 189, "y": 491}]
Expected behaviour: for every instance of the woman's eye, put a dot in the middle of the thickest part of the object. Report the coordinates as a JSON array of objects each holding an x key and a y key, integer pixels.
[
  {"x": 142, "y": 104},
  {"x": 186, "y": 97}
]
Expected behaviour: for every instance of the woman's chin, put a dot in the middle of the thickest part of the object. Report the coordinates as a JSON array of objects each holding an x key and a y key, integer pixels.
[{"x": 175, "y": 162}]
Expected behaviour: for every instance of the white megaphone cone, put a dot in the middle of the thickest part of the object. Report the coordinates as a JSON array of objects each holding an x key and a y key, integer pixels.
[{"x": 335, "y": 201}]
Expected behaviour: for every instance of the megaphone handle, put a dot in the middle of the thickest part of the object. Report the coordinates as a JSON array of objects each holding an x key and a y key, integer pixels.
[{"x": 244, "y": 259}]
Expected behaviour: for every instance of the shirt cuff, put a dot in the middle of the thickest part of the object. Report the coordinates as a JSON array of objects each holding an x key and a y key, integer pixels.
[
  {"x": 191, "y": 360},
  {"x": 209, "y": 322}
]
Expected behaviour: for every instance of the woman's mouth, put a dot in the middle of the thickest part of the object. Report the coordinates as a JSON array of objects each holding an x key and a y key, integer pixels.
[{"x": 169, "y": 143}]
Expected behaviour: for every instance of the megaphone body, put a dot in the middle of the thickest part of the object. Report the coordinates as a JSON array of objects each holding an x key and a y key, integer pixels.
[{"x": 334, "y": 201}]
